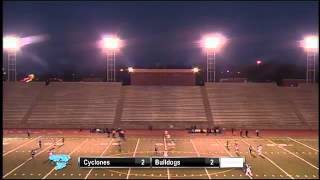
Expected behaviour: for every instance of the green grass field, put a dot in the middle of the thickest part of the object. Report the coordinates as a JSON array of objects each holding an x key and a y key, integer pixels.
[{"x": 285, "y": 157}]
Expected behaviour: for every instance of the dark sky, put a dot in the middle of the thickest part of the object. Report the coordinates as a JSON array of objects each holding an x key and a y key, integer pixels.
[{"x": 158, "y": 33}]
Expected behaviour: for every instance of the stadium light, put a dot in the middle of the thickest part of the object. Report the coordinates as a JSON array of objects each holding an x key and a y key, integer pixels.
[
  {"x": 311, "y": 47},
  {"x": 11, "y": 43},
  {"x": 258, "y": 62},
  {"x": 195, "y": 69},
  {"x": 211, "y": 44},
  {"x": 311, "y": 43},
  {"x": 130, "y": 69},
  {"x": 111, "y": 42},
  {"x": 110, "y": 45},
  {"x": 213, "y": 41}
]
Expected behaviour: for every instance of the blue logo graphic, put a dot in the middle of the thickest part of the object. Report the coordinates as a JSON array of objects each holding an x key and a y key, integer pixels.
[{"x": 61, "y": 160}]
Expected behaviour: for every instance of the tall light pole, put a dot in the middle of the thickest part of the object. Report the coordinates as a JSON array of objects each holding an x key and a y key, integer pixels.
[
  {"x": 211, "y": 44},
  {"x": 11, "y": 45},
  {"x": 311, "y": 46},
  {"x": 110, "y": 44}
]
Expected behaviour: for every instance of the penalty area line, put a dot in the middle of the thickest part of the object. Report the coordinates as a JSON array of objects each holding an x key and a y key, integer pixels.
[
  {"x": 272, "y": 162},
  {"x": 100, "y": 156},
  {"x": 134, "y": 155},
  {"x": 28, "y": 160},
  {"x": 198, "y": 154},
  {"x": 31, "y": 140},
  {"x": 302, "y": 144},
  {"x": 69, "y": 155},
  {"x": 295, "y": 155}
]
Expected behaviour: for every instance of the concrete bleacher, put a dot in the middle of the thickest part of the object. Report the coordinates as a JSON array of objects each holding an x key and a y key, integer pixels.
[
  {"x": 162, "y": 106},
  {"x": 74, "y": 105},
  {"x": 305, "y": 98},
  {"x": 252, "y": 106},
  {"x": 101, "y": 104},
  {"x": 17, "y": 99}
]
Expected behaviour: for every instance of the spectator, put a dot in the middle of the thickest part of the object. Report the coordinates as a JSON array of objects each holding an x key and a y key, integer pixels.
[
  {"x": 257, "y": 133},
  {"x": 28, "y": 133},
  {"x": 113, "y": 133}
]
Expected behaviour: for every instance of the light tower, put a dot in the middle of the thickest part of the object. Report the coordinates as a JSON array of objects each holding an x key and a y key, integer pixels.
[
  {"x": 211, "y": 44},
  {"x": 110, "y": 45},
  {"x": 11, "y": 45},
  {"x": 311, "y": 46}
]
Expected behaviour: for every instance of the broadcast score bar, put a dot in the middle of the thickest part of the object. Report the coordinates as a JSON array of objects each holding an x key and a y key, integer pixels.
[{"x": 161, "y": 162}]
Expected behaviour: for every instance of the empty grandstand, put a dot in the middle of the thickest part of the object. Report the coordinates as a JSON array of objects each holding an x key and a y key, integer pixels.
[{"x": 100, "y": 104}]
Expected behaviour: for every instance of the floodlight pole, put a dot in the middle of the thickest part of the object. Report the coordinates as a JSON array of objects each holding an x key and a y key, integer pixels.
[
  {"x": 311, "y": 67},
  {"x": 214, "y": 66},
  {"x": 111, "y": 66},
  {"x": 211, "y": 65},
  {"x": 12, "y": 66}
]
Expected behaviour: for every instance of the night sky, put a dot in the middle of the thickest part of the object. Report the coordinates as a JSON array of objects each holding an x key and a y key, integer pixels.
[{"x": 158, "y": 34}]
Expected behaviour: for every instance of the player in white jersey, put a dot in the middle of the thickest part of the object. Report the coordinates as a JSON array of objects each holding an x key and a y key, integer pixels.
[
  {"x": 165, "y": 153},
  {"x": 259, "y": 149},
  {"x": 248, "y": 171},
  {"x": 236, "y": 146}
]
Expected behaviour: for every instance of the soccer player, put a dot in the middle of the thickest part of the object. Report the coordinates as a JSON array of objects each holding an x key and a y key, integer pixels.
[
  {"x": 165, "y": 153},
  {"x": 119, "y": 145},
  {"x": 50, "y": 153},
  {"x": 113, "y": 133},
  {"x": 155, "y": 149},
  {"x": 247, "y": 133},
  {"x": 40, "y": 143},
  {"x": 28, "y": 133},
  {"x": 257, "y": 133},
  {"x": 232, "y": 131},
  {"x": 63, "y": 140},
  {"x": 33, "y": 153},
  {"x": 236, "y": 145},
  {"x": 259, "y": 149},
  {"x": 227, "y": 145},
  {"x": 250, "y": 149},
  {"x": 248, "y": 171},
  {"x": 241, "y": 132}
]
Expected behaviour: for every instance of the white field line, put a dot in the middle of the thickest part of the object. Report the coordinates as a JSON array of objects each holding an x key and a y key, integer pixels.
[
  {"x": 295, "y": 155},
  {"x": 21, "y": 146},
  {"x": 165, "y": 148},
  {"x": 76, "y": 148},
  {"x": 134, "y": 155},
  {"x": 303, "y": 144},
  {"x": 198, "y": 154},
  {"x": 107, "y": 147},
  {"x": 228, "y": 152},
  {"x": 28, "y": 160},
  {"x": 272, "y": 162}
]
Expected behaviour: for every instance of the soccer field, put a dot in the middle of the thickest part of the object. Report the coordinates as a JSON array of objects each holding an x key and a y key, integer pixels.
[{"x": 284, "y": 157}]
